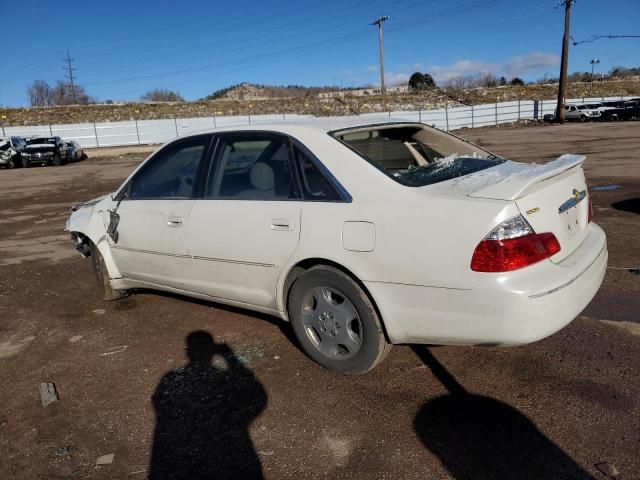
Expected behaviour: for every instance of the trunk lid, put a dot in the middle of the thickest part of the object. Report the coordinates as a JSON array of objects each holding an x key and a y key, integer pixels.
[{"x": 551, "y": 197}]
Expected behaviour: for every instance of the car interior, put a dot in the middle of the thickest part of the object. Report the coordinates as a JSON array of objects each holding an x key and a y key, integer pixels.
[
  {"x": 401, "y": 147},
  {"x": 252, "y": 169}
]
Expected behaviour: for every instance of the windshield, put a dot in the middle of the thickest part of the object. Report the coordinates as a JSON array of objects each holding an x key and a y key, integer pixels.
[
  {"x": 416, "y": 155},
  {"x": 42, "y": 141}
]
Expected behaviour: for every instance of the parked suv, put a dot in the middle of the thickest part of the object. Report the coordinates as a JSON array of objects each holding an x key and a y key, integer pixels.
[
  {"x": 45, "y": 151},
  {"x": 580, "y": 112}
]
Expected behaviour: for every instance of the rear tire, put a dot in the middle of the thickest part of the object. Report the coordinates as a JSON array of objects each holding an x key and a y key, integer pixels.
[
  {"x": 335, "y": 322},
  {"x": 102, "y": 277}
]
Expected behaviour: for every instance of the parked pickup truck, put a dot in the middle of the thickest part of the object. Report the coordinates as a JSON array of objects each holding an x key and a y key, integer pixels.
[{"x": 45, "y": 151}]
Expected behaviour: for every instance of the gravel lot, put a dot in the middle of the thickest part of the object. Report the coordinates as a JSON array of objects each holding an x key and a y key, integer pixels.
[{"x": 553, "y": 409}]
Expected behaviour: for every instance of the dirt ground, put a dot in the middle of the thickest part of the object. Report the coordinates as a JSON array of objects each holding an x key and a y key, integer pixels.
[{"x": 553, "y": 409}]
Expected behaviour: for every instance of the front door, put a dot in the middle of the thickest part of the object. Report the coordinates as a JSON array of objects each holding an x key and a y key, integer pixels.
[
  {"x": 248, "y": 223},
  {"x": 152, "y": 242}
]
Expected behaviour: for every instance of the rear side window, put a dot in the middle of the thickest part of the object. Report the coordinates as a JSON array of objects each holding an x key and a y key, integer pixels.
[
  {"x": 171, "y": 173},
  {"x": 252, "y": 166},
  {"x": 315, "y": 185}
]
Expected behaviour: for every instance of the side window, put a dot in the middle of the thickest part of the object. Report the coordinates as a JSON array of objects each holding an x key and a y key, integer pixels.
[
  {"x": 315, "y": 185},
  {"x": 172, "y": 172},
  {"x": 252, "y": 166}
]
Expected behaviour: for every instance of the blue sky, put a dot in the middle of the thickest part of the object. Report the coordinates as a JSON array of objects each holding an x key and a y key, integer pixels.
[{"x": 122, "y": 49}]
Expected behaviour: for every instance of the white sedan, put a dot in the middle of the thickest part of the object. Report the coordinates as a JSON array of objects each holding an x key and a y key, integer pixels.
[{"x": 361, "y": 236}]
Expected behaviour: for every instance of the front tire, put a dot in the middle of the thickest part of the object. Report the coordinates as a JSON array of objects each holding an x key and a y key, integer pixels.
[
  {"x": 105, "y": 291},
  {"x": 335, "y": 322},
  {"x": 57, "y": 161}
]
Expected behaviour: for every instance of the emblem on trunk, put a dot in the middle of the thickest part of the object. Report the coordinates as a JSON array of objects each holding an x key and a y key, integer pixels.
[{"x": 576, "y": 197}]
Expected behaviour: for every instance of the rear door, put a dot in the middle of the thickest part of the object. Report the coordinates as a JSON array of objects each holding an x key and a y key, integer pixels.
[
  {"x": 152, "y": 244},
  {"x": 248, "y": 223}
]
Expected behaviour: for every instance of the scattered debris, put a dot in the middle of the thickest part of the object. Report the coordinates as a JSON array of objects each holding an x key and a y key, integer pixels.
[
  {"x": 48, "y": 393},
  {"x": 62, "y": 452},
  {"x": 266, "y": 453},
  {"x": 605, "y": 188},
  {"x": 114, "y": 350},
  {"x": 75, "y": 338},
  {"x": 607, "y": 469},
  {"x": 99, "y": 311},
  {"x": 276, "y": 357},
  {"x": 105, "y": 459}
]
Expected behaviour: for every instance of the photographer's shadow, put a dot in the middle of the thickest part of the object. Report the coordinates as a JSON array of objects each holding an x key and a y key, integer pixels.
[
  {"x": 478, "y": 437},
  {"x": 203, "y": 414}
]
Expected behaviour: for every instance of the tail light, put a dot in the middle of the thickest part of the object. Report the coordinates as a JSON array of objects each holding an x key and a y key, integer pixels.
[{"x": 512, "y": 245}]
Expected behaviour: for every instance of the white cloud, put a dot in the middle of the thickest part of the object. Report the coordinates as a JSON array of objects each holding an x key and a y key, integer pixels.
[
  {"x": 396, "y": 78},
  {"x": 517, "y": 66},
  {"x": 444, "y": 73},
  {"x": 532, "y": 62}
]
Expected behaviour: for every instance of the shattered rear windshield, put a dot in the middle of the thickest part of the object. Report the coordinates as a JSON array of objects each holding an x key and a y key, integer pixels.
[
  {"x": 416, "y": 155},
  {"x": 446, "y": 169}
]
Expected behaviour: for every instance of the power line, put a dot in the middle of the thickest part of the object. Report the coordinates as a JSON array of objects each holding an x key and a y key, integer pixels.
[
  {"x": 312, "y": 46},
  {"x": 593, "y": 38},
  {"x": 69, "y": 74}
]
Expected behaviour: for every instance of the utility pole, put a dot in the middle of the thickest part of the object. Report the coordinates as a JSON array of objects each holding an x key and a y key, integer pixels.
[
  {"x": 69, "y": 75},
  {"x": 593, "y": 64},
  {"x": 562, "y": 84},
  {"x": 383, "y": 91}
]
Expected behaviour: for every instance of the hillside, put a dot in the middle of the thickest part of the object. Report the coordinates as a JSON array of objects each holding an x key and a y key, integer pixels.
[
  {"x": 250, "y": 91},
  {"x": 267, "y": 100}
]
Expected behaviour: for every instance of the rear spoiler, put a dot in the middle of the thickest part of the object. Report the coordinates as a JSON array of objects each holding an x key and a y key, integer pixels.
[{"x": 516, "y": 180}]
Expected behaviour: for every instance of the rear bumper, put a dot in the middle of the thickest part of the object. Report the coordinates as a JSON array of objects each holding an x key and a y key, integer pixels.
[{"x": 501, "y": 309}]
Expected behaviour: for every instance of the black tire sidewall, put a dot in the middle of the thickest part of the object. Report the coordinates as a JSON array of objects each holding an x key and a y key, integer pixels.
[
  {"x": 57, "y": 160},
  {"x": 105, "y": 291},
  {"x": 373, "y": 341}
]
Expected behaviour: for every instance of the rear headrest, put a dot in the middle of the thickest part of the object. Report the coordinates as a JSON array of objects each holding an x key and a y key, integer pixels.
[{"x": 261, "y": 176}]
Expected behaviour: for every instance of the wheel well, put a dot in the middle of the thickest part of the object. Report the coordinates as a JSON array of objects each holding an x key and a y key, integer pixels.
[
  {"x": 82, "y": 243},
  {"x": 301, "y": 267}
]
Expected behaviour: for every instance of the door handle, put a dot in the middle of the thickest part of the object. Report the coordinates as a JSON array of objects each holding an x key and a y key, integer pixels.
[
  {"x": 281, "y": 224},
  {"x": 174, "y": 221}
]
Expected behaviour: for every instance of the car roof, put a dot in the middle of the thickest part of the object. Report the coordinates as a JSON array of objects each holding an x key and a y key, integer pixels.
[{"x": 314, "y": 125}]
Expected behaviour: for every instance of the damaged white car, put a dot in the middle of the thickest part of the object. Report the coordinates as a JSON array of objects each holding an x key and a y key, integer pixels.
[{"x": 361, "y": 236}]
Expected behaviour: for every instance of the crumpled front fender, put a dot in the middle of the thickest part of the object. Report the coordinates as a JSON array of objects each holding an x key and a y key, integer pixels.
[{"x": 88, "y": 221}]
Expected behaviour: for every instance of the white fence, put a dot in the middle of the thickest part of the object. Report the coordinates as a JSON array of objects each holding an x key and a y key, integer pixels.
[{"x": 141, "y": 132}]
